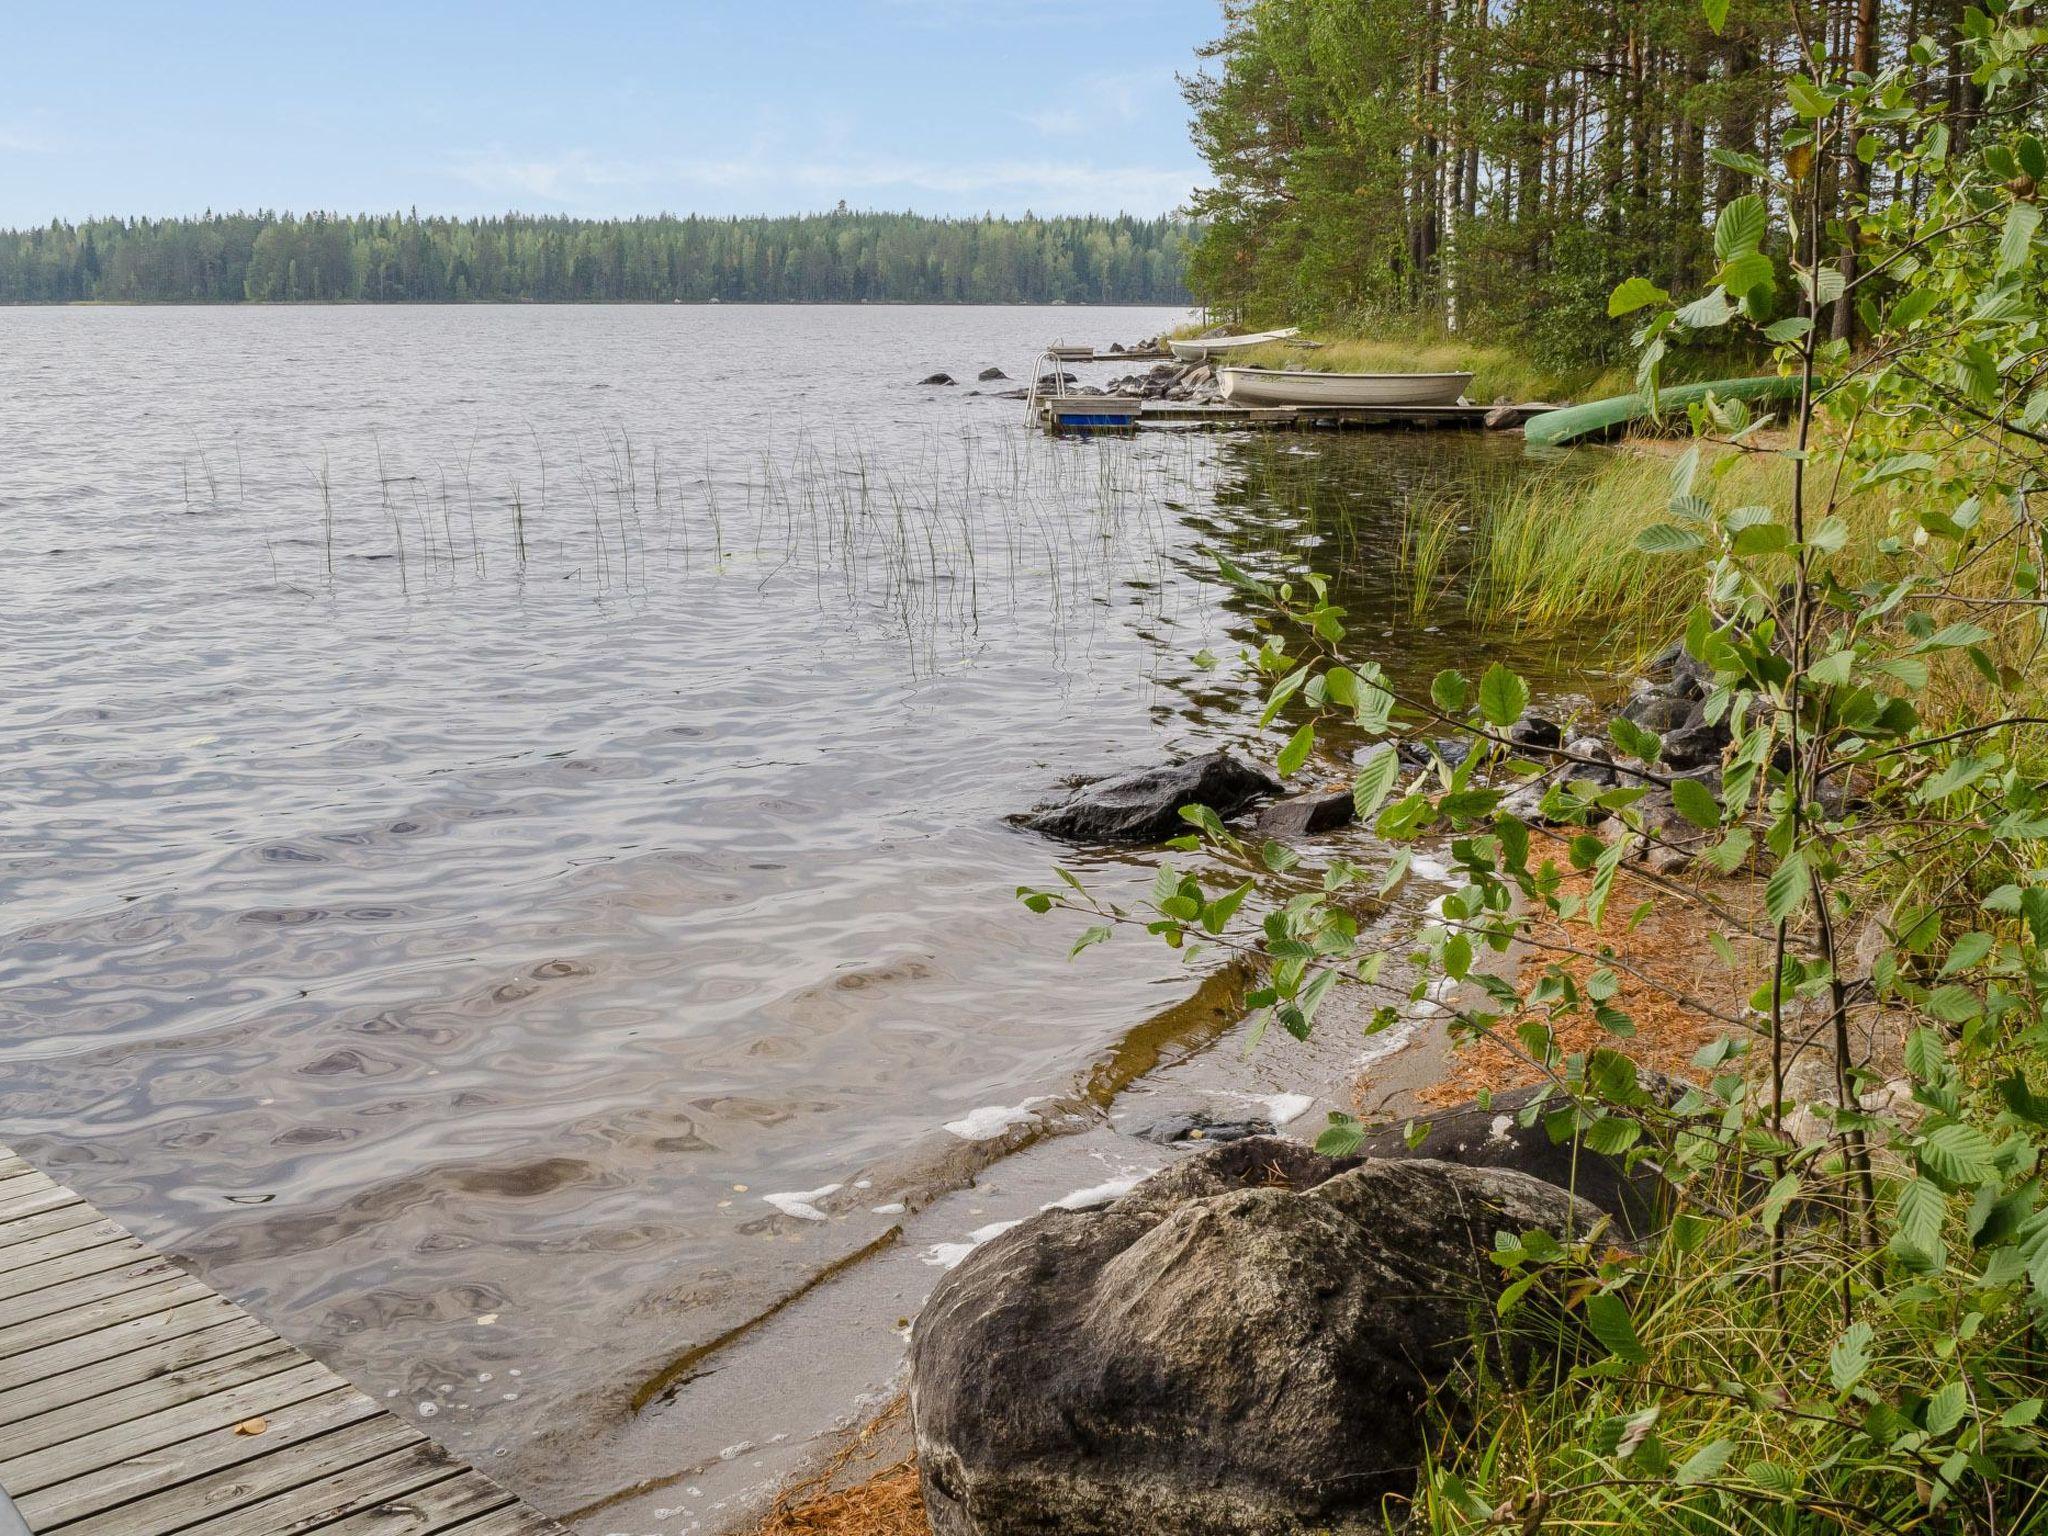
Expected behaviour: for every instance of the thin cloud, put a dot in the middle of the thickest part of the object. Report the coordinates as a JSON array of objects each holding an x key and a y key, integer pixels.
[{"x": 578, "y": 181}]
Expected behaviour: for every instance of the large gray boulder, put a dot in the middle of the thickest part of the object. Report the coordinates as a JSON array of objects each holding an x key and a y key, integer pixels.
[
  {"x": 1144, "y": 807},
  {"x": 1244, "y": 1344}
]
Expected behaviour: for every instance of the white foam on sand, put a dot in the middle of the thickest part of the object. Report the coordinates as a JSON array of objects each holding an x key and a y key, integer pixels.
[
  {"x": 802, "y": 1203},
  {"x": 1100, "y": 1194},
  {"x": 946, "y": 1255},
  {"x": 990, "y": 1121},
  {"x": 1285, "y": 1108},
  {"x": 1428, "y": 868}
]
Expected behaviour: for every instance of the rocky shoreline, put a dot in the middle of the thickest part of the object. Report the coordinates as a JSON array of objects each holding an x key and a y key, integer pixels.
[{"x": 1028, "y": 1370}]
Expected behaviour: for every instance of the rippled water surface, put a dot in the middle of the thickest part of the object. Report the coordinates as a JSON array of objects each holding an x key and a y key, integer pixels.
[{"x": 493, "y": 793}]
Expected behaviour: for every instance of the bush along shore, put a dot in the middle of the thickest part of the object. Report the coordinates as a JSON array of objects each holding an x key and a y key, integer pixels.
[{"x": 1798, "y": 1282}]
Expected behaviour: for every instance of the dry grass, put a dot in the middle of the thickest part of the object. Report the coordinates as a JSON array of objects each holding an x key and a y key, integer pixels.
[
  {"x": 853, "y": 1496},
  {"x": 1669, "y": 946}
]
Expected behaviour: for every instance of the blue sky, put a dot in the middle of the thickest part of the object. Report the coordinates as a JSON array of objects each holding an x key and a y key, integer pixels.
[{"x": 632, "y": 106}]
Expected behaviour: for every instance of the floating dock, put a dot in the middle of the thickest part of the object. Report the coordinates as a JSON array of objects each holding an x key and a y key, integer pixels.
[
  {"x": 1096, "y": 413},
  {"x": 137, "y": 1401}
]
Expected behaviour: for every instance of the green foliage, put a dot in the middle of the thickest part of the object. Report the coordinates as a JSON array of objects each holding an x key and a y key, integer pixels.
[
  {"x": 1836, "y": 1327},
  {"x": 834, "y": 257}
]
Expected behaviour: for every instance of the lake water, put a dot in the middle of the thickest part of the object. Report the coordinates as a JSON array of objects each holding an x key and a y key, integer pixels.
[{"x": 493, "y": 794}]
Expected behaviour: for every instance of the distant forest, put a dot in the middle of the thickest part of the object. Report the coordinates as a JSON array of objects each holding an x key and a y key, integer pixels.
[{"x": 839, "y": 257}]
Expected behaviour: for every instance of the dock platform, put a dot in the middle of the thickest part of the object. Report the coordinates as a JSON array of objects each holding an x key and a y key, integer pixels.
[
  {"x": 1089, "y": 409},
  {"x": 137, "y": 1401}
]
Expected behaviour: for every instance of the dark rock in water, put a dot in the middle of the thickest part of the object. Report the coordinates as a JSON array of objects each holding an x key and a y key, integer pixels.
[
  {"x": 1197, "y": 1124},
  {"x": 1244, "y": 1343},
  {"x": 1056, "y": 380},
  {"x": 1658, "y": 712},
  {"x": 1116, "y": 346},
  {"x": 1492, "y": 1138},
  {"x": 1300, "y": 815},
  {"x": 1144, "y": 807},
  {"x": 991, "y": 373},
  {"x": 1536, "y": 733},
  {"x": 1452, "y": 749},
  {"x": 1009, "y": 394},
  {"x": 936, "y": 378}
]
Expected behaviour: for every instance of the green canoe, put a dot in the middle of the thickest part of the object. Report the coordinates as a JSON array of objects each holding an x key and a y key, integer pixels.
[{"x": 1598, "y": 418}]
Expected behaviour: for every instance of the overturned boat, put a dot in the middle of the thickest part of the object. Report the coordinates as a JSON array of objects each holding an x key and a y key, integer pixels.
[
  {"x": 1197, "y": 348},
  {"x": 1274, "y": 386}
]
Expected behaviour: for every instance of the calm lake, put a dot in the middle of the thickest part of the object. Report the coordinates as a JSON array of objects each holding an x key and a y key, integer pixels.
[{"x": 495, "y": 794}]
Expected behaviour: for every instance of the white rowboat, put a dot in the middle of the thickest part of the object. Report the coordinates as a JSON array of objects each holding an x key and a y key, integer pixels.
[
  {"x": 1272, "y": 386},
  {"x": 1196, "y": 348}
]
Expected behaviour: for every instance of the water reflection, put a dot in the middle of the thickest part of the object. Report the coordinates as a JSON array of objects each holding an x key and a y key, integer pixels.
[{"x": 473, "y": 837}]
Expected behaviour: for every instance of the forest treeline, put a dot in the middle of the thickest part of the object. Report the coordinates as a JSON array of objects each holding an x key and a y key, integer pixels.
[
  {"x": 1502, "y": 164},
  {"x": 840, "y": 257}
]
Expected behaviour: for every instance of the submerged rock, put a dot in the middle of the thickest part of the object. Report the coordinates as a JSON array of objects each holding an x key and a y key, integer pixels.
[
  {"x": 936, "y": 378},
  {"x": 1144, "y": 807},
  {"x": 1322, "y": 810},
  {"x": 1170, "y": 1126},
  {"x": 1244, "y": 1343},
  {"x": 987, "y": 374}
]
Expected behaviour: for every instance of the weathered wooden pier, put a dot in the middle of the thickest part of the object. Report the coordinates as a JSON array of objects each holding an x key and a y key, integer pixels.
[
  {"x": 137, "y": 1401},
  {"x": 1099, "y": 413}
]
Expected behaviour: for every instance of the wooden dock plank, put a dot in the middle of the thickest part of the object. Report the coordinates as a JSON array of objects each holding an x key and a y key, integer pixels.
[
  {"x": 69, "y": 1355},
  {"x": 438, "y": 1507},
  {"x": 24, "y": 1236},
  {"x": 350, "y": 1491},
  {"x": 136, "y": 1401},
  {"x": 42, "y": 1195},
  {"x": 512, "y": 1520},
  {"x": 74, "y": 1262},
  {"x": 222, "y": 1450},
  {"x": 35, "y": 1398},
  {"x": 102, "y": 1311},
  {"x": 70, "y": 1281},
  {"x": 218, "y": 1410},
  {"x": 261, "y": 1477},
  {"x": 139, "y": 1399}
]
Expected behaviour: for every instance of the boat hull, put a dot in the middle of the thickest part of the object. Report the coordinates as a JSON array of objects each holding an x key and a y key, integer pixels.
[
  {"x": 1197, "y": 349},
  {"x": 1271, "y": 386}
]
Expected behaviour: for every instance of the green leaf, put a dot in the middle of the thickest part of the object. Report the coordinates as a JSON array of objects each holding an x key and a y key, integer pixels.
[
  {"x": 1295, "y": 753},
  {"x": 1749, "y": 270},
  {"x": 1791, "y": 328},
  {"x": 1739, "y": 229},
  {"x": 2022, "y": 221},
  {"x": 1633, "y": 294},
  {"x": 1945, "y": 1408},
  {"x": 1089, "y": 936},
  {"x": 1735, "y": 160},
  {"x": 1375, "y": 782},
  {"x": 1850, "y": 1357},
  {"x": 1772, "y": 1477},
  {"x": 1716, "y": 12},
  {"x": 1341, "y": 1137},
  {"x": 1785, "y": 892},
  {"x": 1922, "y": 1210},
  {"x": 1959, "y": 1155},
  {"x": 1449, "y": 692},
  {"x": 1696, "y": 803},
  {"x": 1808, "y": 99},
  {"x": 1704, "y": 1464},
  {"x": 1607, "y": 1317},
  {"x": 1502, "y": 696},
  {"x": 1668, "y": 539}
]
